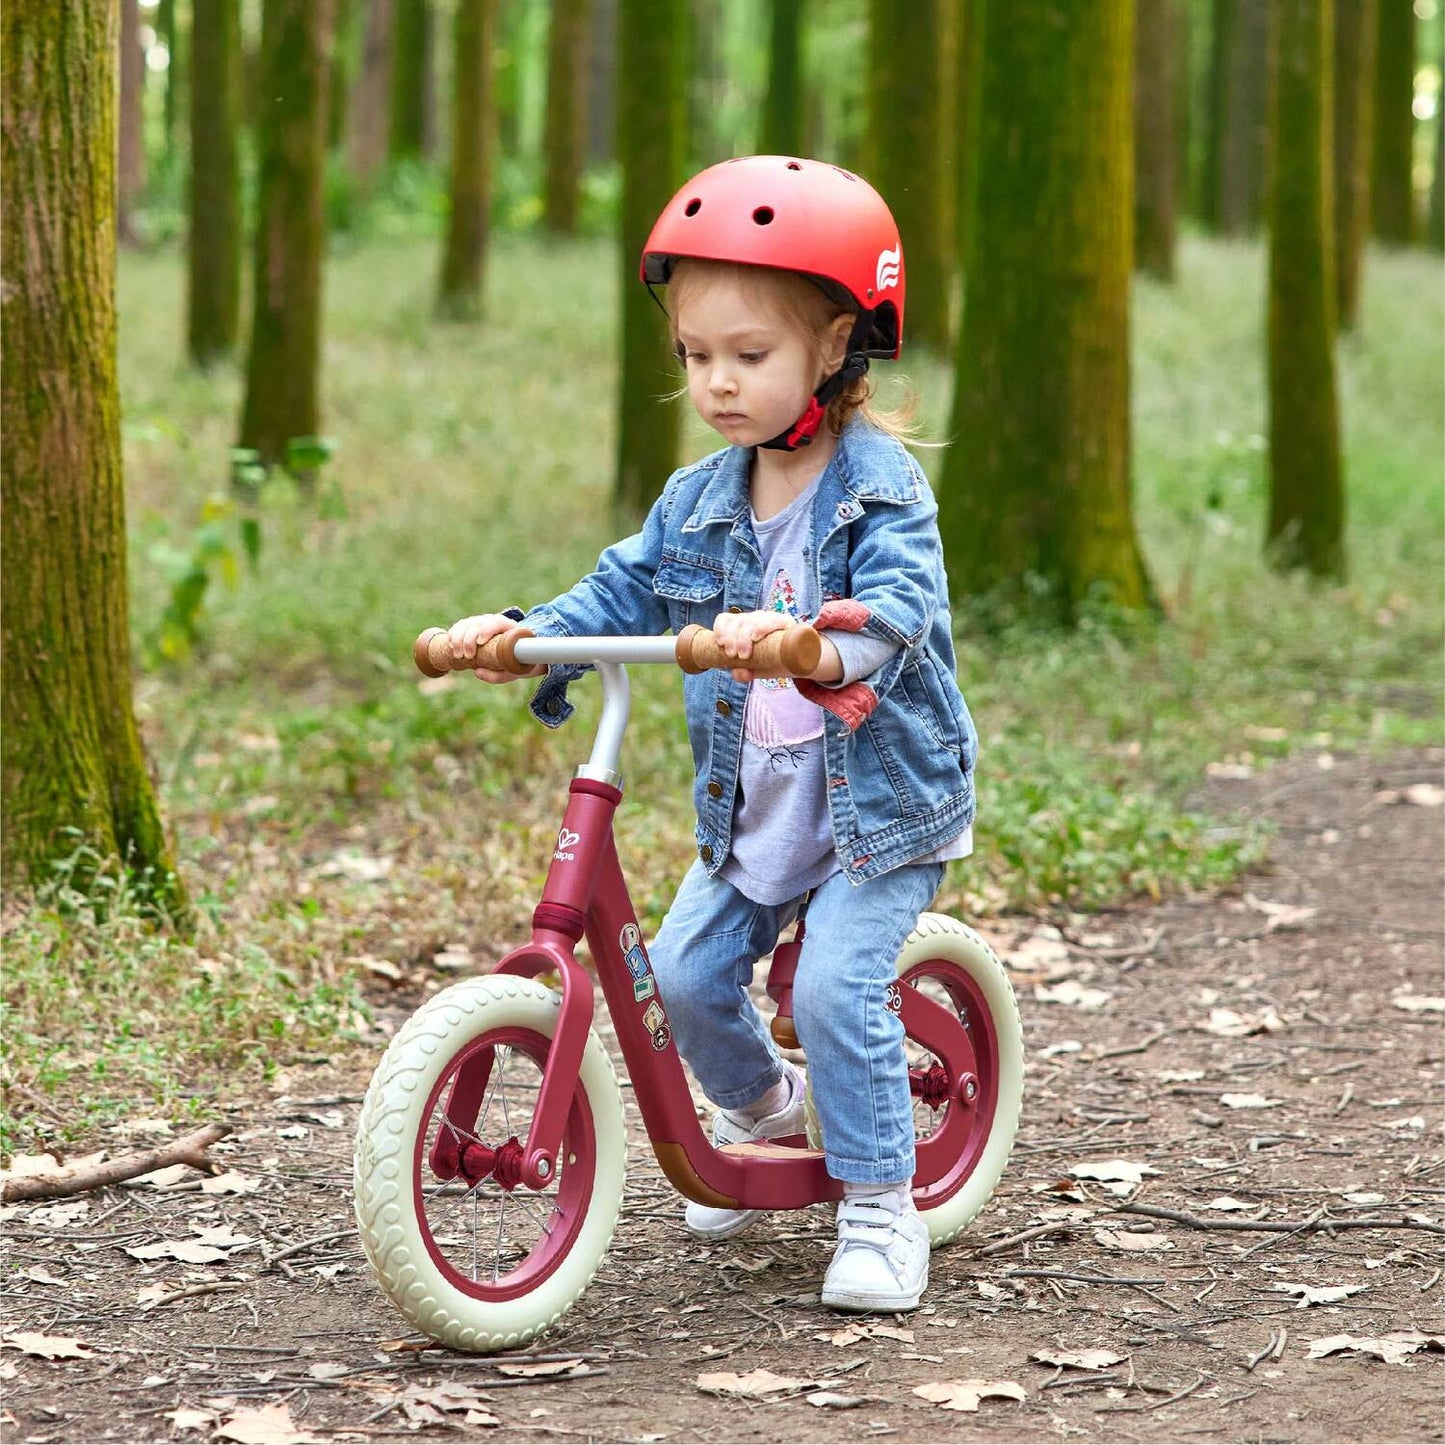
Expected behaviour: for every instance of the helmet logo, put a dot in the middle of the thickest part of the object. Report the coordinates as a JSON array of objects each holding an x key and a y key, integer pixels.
[{"x": 888, "y": 264}]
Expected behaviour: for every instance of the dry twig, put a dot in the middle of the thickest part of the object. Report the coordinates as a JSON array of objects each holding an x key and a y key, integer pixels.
[{"x": 188, "y": 1150}]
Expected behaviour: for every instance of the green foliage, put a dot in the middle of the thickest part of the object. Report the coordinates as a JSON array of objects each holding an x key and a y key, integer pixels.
[{"x": 188, "y": 572}]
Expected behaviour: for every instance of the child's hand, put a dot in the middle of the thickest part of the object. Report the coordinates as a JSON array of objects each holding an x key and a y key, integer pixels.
[
  {"x": 468, "y": 634},
  {"x": 736, "y": 632}
]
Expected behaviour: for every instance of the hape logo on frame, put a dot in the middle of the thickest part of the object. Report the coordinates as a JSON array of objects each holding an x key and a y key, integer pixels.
[
  {"x": 889, "y": 263},
  {"x": 566, "y": 841}
]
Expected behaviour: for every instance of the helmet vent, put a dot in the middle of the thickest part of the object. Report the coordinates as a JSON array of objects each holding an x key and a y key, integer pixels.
[
  {"x": 794, "y": 166},
  {"x": 692, "y": 207},
  {"x": 763, "y": 215}
]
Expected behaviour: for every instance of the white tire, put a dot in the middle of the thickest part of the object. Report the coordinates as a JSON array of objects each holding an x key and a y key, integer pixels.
[
  {"x": 952, "y": 945},
  {"x": 421, "y": 1234}
]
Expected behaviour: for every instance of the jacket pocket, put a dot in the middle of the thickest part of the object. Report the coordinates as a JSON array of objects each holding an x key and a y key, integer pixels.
[
  {"x": 922, "y": 694},
  {"x": 693, "y": 589}
]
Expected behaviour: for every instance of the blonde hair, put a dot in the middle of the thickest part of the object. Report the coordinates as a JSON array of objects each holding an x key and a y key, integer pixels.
[{"x": 806, "y": 307}]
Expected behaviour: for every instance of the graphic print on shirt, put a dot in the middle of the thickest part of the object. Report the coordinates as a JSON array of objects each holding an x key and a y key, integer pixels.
[{"x": 777, "y": 717}]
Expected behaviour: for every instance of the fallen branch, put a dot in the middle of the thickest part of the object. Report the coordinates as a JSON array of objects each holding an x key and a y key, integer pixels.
[
  {"x": 189, "y": 1150},
  {"x": 1283, "y": 1226},
  {"x": 1039, "y": 1231}
]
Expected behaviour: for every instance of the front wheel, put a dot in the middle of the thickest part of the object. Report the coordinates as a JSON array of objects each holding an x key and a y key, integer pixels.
[
  {"x": 470, "y": 1256},
  {"x": 965, "y": 1067}
]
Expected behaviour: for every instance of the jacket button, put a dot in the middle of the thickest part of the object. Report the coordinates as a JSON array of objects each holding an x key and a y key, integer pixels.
[
  {"x": 705, "y": 852},
  {"x": 724, "y": 707},
  {"x": 714, "y": 790}
]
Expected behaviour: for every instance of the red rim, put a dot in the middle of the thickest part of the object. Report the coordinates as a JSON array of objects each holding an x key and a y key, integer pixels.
[
  {"x": 961, "y": 1131},
  {"x": 465, "y": 1230}
]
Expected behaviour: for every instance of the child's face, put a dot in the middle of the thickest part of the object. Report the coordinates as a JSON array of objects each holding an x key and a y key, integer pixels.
[{"x": 750, "y": 373}]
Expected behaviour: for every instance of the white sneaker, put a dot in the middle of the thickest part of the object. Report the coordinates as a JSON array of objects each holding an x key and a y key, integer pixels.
[
  {"x": 881, "y": 1262},
  {"x": 731, "y": 1127}
]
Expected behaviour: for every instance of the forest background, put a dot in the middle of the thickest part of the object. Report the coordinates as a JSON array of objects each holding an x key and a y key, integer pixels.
[{"x": 449, "y": 399}]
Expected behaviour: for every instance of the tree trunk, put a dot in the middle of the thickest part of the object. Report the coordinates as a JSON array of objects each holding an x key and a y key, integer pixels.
[
  {"x": 1036, "y": 506},
  {"x": 566, "y": 126},
  {"x": 1435, "y": 219},
  {"x": 906, "y": 158},
  {"x": 1184, "y": 42},
  {"x": 474, "y": 29},
  {"x": 344, "y": 51},
  {"x": 1238, "y": 119},
  {"x": 1356, "y": 25},
  {"x": 168, "y": 29},
  {"x": 1393, "y": 201},
  {"x": 410, "y": 79},
  {"x": 1155, "y": 138},
  {"x": 369, "y": 121},
  {"x": 650, "y": 146},
  {"x": 282, "y": 369},
  {"x": 131, "y": 152},
  {"x": 214, "y": 252},
  {"x": 1306, "y": 494},
  {"x": 967, "y": 80},
  {"x": 602, "y": 83},
  {"x": 74, "y": 774},
  {"x": 781, "y": 132}
]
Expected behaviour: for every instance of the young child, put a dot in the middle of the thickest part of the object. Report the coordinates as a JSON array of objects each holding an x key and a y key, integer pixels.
[{"x": 854, "y": 786}]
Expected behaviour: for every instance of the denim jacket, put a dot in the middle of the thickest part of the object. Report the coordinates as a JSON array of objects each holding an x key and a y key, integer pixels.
[{"x": 899, "y": 745}]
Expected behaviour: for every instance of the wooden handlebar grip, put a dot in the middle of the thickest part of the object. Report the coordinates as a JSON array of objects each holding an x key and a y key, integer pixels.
[
  {"x": 432, "y": 653},
  {"x": 794, "y": 652}
]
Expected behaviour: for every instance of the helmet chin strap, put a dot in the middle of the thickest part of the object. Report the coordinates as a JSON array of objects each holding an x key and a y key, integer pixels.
[{"x": 855, "y": 364}]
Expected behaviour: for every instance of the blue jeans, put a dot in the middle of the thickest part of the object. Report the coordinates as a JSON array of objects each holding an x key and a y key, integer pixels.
[{"x": 704, "y": 956}]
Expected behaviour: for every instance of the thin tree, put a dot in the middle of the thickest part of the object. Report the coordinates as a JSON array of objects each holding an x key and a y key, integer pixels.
[
  {"x": 171, "y": 34},
  {"x": 130, "y": 148},
  {"x": 345, "y": 51},
  {"x": 1435, "y": 216},
  {"x": 650, "y": 146},
  {"x": 1356, "y": 25},
  {"x": 908, "y": 154},
  {"x": 964, "y": 81},
  {"x": 282, "y": 380},
  {"x": 369, "y": 105},
  {"x": 1237, "y": 132},
  {"x": 213, "y": 259},
  {"x": 1393, "y": 200},
  {"x": 565, "y": 131},
  {"x": 411, "y": 83},
  {"x": 781, "y": 133},
  {"x": 1035, "y": 497},
  {"x": 602, "y": 83},
  {"x": 73, "y": 768},
  {"x": 1156, "y": 141},
  {"x": 463, "y": 262},
  {"x": 1306, "y": 491}
]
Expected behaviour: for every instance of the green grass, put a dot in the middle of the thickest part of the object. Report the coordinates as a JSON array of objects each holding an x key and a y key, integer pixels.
[{"x": 475, "y": 464}]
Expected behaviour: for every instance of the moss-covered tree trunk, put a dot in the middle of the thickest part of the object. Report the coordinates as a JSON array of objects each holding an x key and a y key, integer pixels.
[
  {"x": 213, "y": 295},
  {"x": 130, "y": 145},
  {"x": 966, "y": 79},
  {"x": 907, "y": 155},
  {"x": 1035, "y": 498},
  {"x": 1354, "y": 88},
  {"x": 282, "y": 380},
  {"x": 781, "y": 130},
  {"x": 565, "y": 130},
  {"x": 1155, "y": 138},
  {"x": 368, "y": 120},
  {"x": 651, "y": 64},
  {"x": 1392, "y": 191},
  {"x": 469, "y": 194},
  {"x": 1238, "y": 121},
  {"x": 73, "y": 769},
  {"x": 410, "y": 79},
  {"x": 1306, "y": 491}
]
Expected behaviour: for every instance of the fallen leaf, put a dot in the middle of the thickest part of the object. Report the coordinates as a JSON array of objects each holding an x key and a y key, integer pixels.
[
  {"x": 1280, "y": 915},
  {"x": 541, "y": 1369},
  {"x": 1132, "y": 1242},
  {"x": 231, "y": 1182},
  {"x": 152, "y": 1128},
  {"x": 264, "y": 1425},
  {"x": 351, "y": 863},
  {"x": 48, "y": 1347},
  {"x": 1419, "y": 1004},
  {"x": 1425, "y": 795},
  {"x": 966, "y": 1394},
  {"x": 1365, "y": 1198},
  {"x": 1392, "y": 1348},
  {"x": 221, "y": 1236},
  {"x": 189, "y": 1251},
  {"x": 184, "y": 1419},
  {"x": 1324, "y": 1295},
  {"x": 167, "y": 1177},
  {"x": 1079, "y": 1359},
  {"x": 1248, "y": 1101},
  {"x": 1183, "y": 1076},
  {"x": 1415, "y": 1121},
  {"x": 41, "y": 1275},
  {"x": 1071, "y": 991},
  {"x": 1227, "y": 1024},
  {"x": 328, "y": 1370},
  {"x": 828, "y": 1399},
  {"x": 754, "y": 1385},
  {"x": 992, "y": 1291},
  {"x": 1122, "y": 1171},
  {"x": 1066, "y": 1046},
  {"x": 1224, "y": 1204},
  {"x": 152, "y": 1294}
]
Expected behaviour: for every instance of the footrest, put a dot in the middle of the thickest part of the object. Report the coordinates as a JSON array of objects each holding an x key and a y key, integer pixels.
[{"x": 771, "y": 1149}]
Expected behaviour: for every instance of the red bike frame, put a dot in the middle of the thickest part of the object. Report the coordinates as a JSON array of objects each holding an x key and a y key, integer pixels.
[{"x": 586, "y": 893}]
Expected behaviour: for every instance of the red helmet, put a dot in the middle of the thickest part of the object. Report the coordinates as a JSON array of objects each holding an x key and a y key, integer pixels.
[{"x": 795, "y": 215}]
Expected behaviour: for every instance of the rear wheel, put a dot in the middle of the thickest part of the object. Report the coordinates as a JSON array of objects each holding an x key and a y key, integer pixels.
[
  {"x": 965, "y": 1068},
  {"x": 467, "y": 1253}
]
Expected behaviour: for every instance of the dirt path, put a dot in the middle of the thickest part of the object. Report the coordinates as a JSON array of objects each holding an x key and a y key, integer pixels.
[{"x": 1266, "y": 1057}]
